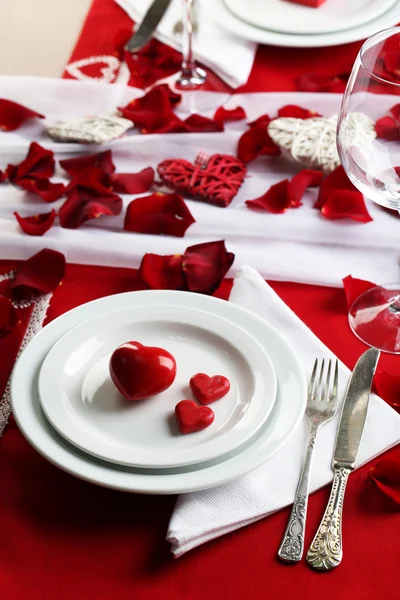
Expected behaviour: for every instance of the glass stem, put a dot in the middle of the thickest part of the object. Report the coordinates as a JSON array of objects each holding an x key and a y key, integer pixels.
[{"x": 188, "y": 65}]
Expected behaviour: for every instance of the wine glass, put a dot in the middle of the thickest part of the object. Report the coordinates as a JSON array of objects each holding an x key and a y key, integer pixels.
[{"x": 371, "y": 159}]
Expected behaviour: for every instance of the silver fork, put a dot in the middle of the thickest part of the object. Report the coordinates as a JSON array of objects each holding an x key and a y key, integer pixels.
[{"x": 321, "y": 408}]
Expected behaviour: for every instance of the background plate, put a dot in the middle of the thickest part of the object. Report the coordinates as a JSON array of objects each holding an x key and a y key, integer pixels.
[{"x": 286, "y": 415}]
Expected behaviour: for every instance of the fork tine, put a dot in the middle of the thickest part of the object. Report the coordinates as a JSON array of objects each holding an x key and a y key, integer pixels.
[
  {"x": 325, "y": 395},
  {"x": 318, "y": 391},
  {"x": 335, "y": 382},
  {"x": 312, "y": 379}
]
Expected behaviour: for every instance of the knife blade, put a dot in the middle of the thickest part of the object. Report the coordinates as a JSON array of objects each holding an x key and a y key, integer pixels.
[
  {"x": 148, "y": 25},
  {"x": 325, "y": 552}
]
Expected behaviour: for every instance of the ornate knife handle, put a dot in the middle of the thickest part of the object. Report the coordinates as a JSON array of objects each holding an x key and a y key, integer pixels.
[
  {"x": 325, "y": 552},
  {"x": 292, "y": 546}
]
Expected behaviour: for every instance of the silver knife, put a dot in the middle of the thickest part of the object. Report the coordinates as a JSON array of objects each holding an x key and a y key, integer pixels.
[
  {"x": 148, "y": 25},
  {"x": 325, "y": 552}
]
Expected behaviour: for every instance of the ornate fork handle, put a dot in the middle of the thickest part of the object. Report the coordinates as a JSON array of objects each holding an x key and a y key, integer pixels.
[
  {"x": 325, "y": 552},
  {"x": 292, "y": 546}
]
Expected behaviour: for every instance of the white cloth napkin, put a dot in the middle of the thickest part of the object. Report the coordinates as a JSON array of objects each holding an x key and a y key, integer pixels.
[
  {"x": 229, "y": 56},
  {"x": 300, "y": 245},
  {"x": 201, "y": 516}
]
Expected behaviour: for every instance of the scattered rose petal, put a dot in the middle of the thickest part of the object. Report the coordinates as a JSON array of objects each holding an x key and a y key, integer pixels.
[
  {"x": 92, "y": 181},
  {"x": 36, "y": 224},
  {"x": 3, "y": 176},
  {"x": 43, "y": 187},
  {"x": 174, "y": 97},
  {"x": 387, "y": 129},
  {"x": 234, "y": 114},
  {"x": 275, "y": 200},
  {"x": 38, "y": 164},
  {"x": 158, "y": 214},
  {"x": 262, "y": 120},
  {"x": 300, "y": 182},
  {"x": 337, "y": 180},
  {"x": 297, "y": 112},
  {"x": 353, "y": 288},
  {"x": 387, "y": 385},
  {"x": 323, "y": 83},
  {"x": 151, "y": 111},
  {"x": 8, "y": 316},
  {"x": 133, "y": 183},
  {"x": 81, "y": 206},
  {"x": 391, "y": 65},
  {"x": 386, "y": 474},
  {"x": 198, "y": 123},
  {"x": 256, "y": 142},
  {"x": 101, "y": 160},
  {"x": 162, "y": 272},
  {"x": 205, "y": 266},
  {"x": 41, "y": 273},
  {"x": 345, "y": 204},
  {"x": 13, "y": 115}
]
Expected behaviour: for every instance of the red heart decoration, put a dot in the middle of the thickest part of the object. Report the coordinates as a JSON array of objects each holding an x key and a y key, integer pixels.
[
  {"x": 140, "y": 371},
  {"x": 209, "y": 389},
  {"x": 217, "y": 181},
  {"x": 191, "y": 417}
]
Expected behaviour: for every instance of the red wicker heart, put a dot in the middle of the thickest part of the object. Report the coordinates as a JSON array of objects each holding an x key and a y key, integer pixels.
[{"x": 216, "y": 179}]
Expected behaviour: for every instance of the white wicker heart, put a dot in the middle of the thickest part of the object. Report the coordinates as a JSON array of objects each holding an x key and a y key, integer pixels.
[{"x": 97, "y": 129}]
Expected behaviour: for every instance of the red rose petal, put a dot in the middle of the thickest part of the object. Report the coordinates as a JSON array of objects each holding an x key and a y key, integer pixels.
[
  {"x": 162, "y": 272},
  {"x": 275, "y": 200},
  {"x": 387, "y": 129},
  {"x": 158, "y": 214},
  {"x": 174, "y": 97},
  {"x": 38, "y": 164},
  {"x": 386, "y": 474},
  {"x": 101, "y": 160},
  {"x": 198, "y": 123},
  {"x": 337, "y": 180},
  {"x": 81, "y": 206},
  {"x": 263, "y": 121},
  {"x": 323, "y": 83},
  {"x": 133, "y": 183},
  {"x": 300, "y": 182},
  {"x": 13, "y": 115},
  {"x": 41, "y": 273},
  {"x": 297, "y": 112},
  {"x": 36, "y": 224},
  {"x": 387, "y": 385},
  {"x": 150, "y": 112},
  {"x": 255, "y": 142},
  {"x": 234, "y": 114},
  {"x": 43, "y": 187},
  {"x": 205, "y": 266},
  {"x": 3, "y": 176},
  {"x": 8, "y": 316},
  {"x": 353, "y": 288},
  {"x": 92, "y": 181},
  {"x": 345, "y": 204}
]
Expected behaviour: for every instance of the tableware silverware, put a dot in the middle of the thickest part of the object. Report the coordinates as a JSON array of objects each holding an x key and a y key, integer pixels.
[
  {"x": 321, "y": 408},
  {"x": 325, "y": 552},
  {"x": 148, "y": 25}
]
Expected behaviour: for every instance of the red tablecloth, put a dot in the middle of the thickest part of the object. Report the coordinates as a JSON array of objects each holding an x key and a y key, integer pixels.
[{"x": 66, "y": 539}]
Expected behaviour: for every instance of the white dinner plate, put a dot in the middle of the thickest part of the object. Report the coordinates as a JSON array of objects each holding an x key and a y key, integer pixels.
[
  {"x": 284, "y": 16},
  {"x": 226, "y": 19},
  {"x": 286, "y": 414},
  {"x": 83, "y": 404}
]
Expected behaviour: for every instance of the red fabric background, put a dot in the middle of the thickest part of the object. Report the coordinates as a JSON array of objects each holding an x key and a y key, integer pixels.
[{"x": 66, "y": 539}]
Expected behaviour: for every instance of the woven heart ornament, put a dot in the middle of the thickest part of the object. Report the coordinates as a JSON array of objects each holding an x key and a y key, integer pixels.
[
  {"x": 215, "y": 179},
  {"x": 312, "y": 142},
  {"x": 97, "y": 129}
]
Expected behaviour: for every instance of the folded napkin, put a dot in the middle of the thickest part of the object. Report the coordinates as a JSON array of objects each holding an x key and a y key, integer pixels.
[
  {"x": 201, "y": 516},
  {"x": 229, "y": 56}
]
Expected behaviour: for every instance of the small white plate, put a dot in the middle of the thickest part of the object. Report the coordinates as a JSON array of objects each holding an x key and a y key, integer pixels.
[
  {"x": 286, "y": 415},
  {"x": 230, "y": 22},
  {"x": 288, "y": 17},
  {"x": 82, "y": 403}
]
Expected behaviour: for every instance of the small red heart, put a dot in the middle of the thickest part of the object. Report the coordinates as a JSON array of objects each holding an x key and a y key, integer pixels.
[
  {"x": 140, "y": 371},
  {"x": 209, "y": 389},
  {"x": 191, "y": 417}
]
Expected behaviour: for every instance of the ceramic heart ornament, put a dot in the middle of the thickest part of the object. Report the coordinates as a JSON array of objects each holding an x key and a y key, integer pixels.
[
  {"x": 192, "y": 418},
  {"x": 215, "y": 179},
  {"x": 209, "y": 389},
  {"x": 139, "y": 371},
  {"x": 312, "y": 142}
]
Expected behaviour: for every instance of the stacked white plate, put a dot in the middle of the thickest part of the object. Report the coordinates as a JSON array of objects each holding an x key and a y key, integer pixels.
[
  {"x": 68, "y": 408},
  {"x": 286, "y": 23}
]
